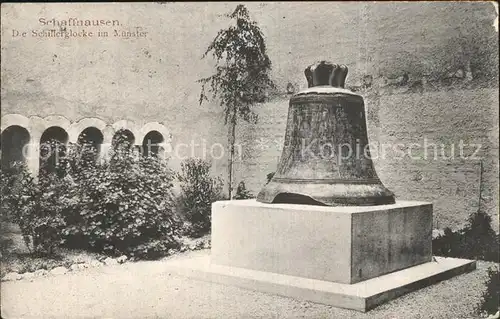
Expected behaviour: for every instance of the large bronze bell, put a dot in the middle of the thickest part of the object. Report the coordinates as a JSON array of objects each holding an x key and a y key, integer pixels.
[{"x": 326, "y": 158}]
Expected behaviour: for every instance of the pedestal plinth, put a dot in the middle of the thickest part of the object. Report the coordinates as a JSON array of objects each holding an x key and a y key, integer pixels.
[{"x": 349, "y": 257}]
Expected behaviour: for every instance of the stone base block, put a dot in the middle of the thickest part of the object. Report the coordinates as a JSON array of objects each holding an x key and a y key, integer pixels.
[
  {"x": 361, "y": 296},
  {"x": 337, "y": 244}
]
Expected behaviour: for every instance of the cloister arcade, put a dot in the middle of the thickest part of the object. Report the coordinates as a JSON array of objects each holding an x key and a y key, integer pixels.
[{"x": 22, "y": 136}]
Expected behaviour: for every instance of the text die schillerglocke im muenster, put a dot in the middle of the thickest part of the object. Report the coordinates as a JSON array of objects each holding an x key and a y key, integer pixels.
[{"x": 85, "y": 28}]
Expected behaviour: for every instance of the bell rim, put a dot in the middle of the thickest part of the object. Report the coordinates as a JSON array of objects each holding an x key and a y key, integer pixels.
[
  {"x": 338, "y": 201},
  {"x": 354, "y": 194},
  {"x": 329, "y": 181}
]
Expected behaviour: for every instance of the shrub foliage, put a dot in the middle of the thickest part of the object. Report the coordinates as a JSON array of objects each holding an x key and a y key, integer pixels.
[
  {"x": 242, "y": 192},
  {"x": 125, "y": 205},
  {"x": 34, "y": 207},
  {"x": 476, "y": 240},
  {"x": 122, "y": 205},
  {"x": 490, "y": 301},
  {"x": 198, "y": 191}
]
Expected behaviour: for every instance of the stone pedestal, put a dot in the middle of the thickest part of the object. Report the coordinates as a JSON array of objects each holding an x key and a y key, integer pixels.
[
  {"x": 349, "y": 257},
  {"x": 339, "y": 244}
]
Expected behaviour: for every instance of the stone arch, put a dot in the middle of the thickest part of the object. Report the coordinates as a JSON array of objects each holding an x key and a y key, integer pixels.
[
  {"x": 57, "y": 120},
  {"x": 92, "y": 137},
  {"x": 130, "y": 129},
  {"x": 51, "y": 153},
  {"x": 31, "y": 155},
  {"x": 55, "y": 132},
  {"x": 77, "y": 128},
  {"x": 166, "y": 144},
  {"x": 129, "y": 137},
  {"x": 15, "y": 119},
  {"x": 152, "y": 144},
  {"x": 155, "y": 126},
  {"x": 126, "y": 125},
  {"x": 14, "y": 140},
  {"x": 40, "y": 125}
]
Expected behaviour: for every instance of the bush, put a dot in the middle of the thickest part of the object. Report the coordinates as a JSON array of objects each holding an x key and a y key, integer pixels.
[
  {"x": 53, "y": 160},
  {"x": 8, "y": 179},
  {"x": 491, "y": 297},
  {"x": 198, "y": 191},
  {"x": 124, "y": 205},
  {"x": 242, "y": 192},
  {"x": 35, "y": 207},
  {"x": 476, "y": 240}
]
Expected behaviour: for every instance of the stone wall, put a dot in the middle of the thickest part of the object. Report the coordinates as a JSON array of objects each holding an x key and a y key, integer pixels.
[{"x": 442, "y": 118}]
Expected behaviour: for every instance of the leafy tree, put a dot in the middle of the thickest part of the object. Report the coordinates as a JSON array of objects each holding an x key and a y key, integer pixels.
[{"x": 242, "y": 74}]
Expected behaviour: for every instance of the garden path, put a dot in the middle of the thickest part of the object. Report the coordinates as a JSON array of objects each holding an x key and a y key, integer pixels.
[{"x": 146, "y": 290}]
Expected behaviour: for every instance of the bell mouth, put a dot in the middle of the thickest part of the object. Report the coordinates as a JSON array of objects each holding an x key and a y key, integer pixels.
[{"x": 299, "y": 199}]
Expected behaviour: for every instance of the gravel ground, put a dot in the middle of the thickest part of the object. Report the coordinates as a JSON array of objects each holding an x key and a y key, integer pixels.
[
  {"x": 145, "y": 290},
  {"x": 16, "y": 257}
]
